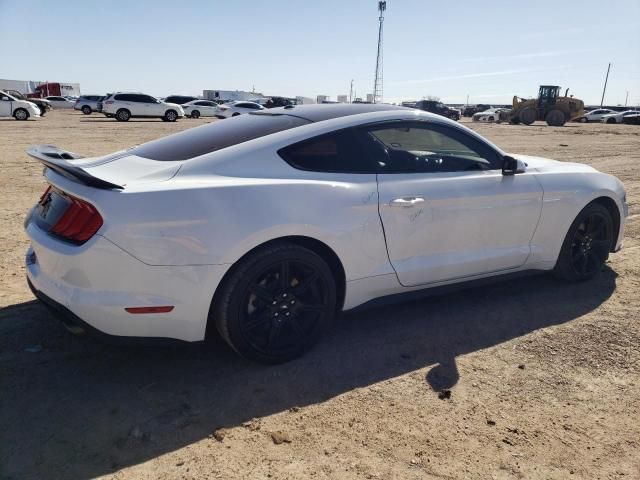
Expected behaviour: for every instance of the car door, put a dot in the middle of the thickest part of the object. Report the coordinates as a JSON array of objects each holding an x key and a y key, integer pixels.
[
  {"x": 5, "y": 105},
  {"x": 448, "y": 211},
  {"x": 149, "y": 106},
  {"x": 205, "y": 108}
]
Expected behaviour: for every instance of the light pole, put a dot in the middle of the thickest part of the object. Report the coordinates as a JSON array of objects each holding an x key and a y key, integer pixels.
[
  {"x": 377, "y": 84},
  {"x": 605, "y": 84}
]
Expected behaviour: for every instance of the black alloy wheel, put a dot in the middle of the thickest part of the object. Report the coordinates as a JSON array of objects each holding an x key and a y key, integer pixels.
[
  {"x": 276, "y": 304},
  {"x": 587, "y": 244},
  {"x": 591, "y": 245}
]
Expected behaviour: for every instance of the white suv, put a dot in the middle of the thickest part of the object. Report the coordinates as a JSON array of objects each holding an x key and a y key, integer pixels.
[
  {"x": 123, "y": 106},
  {"x": 18, "y": 109}
]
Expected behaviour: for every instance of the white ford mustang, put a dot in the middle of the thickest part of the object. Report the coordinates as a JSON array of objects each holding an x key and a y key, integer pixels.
[{"x": 264, "y": 226}]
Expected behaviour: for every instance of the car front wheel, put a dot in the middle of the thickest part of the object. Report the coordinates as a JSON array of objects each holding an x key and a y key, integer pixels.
[
  {"x": 275, "y": 303},
  {"x": 195, "y": 114},
  {"x": 171, "y": 116},
  {"x": 20, "y": 114},
  {"x": 587, "y": 244},
  {"x": 86, "y": 110}
]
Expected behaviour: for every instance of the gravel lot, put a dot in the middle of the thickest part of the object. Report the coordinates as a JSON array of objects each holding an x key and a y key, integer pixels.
[{"x": 544, "y": 376}]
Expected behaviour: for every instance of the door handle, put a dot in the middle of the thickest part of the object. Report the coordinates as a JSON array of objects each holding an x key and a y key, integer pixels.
[{"x": 406, "y": 201}]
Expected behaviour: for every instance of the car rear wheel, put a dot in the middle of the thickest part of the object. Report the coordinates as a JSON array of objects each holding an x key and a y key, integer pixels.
[
  {"x": 611, "y": 120},
  {"x": 123, "y": 115},
  {"x": 195, "y": 114},
  {"x": 275, "y": 303},
  {"x": 86, "y": 110},
  {"x": 555, "y": 118},
  {"x": 235, "y": 114},
  {"x": 171, "y": 116},
  {"x": 587, "y": 244},
  {"x": 20, "y": 114},
  {"x": 527, "y": 116},
  {"x": 584, "y": 120}
]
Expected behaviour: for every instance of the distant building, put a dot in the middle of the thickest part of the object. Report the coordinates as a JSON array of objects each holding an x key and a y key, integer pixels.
[
  {"x": 322, "y": 98},
  {"x": 369, "y": 97},
  {"x": 304, "y": 100},
  {"x": 31, "y": 86},
  {"x": 343, "y": 98},
  {"x": 231, "y": 95}
]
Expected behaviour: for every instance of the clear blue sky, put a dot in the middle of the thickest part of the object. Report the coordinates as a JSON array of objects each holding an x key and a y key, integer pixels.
[{"x": 488, "y": 49}]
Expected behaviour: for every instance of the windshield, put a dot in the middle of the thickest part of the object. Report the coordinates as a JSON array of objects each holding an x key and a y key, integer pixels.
[{"x": 215, "y": 136}]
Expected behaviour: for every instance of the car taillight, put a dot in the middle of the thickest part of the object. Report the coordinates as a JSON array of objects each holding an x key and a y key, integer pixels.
[{"x": 78, "y": 223}]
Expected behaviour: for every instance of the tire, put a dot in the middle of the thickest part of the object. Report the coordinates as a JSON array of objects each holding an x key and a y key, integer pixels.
[
  {"x": 86, "y": 109},
  {"x": 587, "y": 245},
  {"x": 584, "y": 120},
  {"x": 235, "y": 114},
  {"x": 270, "y": 317},
  {"x": 555, "y": 118},
  {"x": 123, "y": 115},
  {"x": 611, "y": 120},
  {"x": 171, "y": 115},
  {"x": 195, "y": 114},
  {"x": 527, "y": 116},
  {"x": 20, "y": 114},
  {"x": 491, "y": 119}
]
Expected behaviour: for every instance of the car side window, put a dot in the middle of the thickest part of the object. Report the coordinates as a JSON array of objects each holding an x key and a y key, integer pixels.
[
  {"x": 337, "y": 152},
  {"x": 420, "y": 148}
]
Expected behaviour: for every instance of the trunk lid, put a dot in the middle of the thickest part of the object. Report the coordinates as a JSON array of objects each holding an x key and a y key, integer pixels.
[{"x": 111, "y": 172}]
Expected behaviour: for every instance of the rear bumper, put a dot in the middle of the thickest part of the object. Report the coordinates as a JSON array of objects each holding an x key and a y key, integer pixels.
[
  {"x": 77, "y": 326},
  {"x": 90, "y": 286}
]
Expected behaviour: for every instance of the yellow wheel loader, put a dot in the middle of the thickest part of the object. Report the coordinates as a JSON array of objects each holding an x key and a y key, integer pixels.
[{"x": 549, "y": 106}]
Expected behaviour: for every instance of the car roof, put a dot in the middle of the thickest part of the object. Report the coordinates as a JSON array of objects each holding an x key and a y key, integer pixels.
[{"x": 327, "y": 111}]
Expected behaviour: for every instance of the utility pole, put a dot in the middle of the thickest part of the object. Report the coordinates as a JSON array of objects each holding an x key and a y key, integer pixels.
[
  {"x": 605, "y": 84},
  {"x": 351, "y": 92},
  {"x": 377, "y": 84},
  {"x": 467, "y": 99},
  {"x": 626, "y": 98}
]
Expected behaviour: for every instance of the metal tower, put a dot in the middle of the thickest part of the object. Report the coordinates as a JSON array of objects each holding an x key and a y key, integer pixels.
[{"x": 377, "y": 84}]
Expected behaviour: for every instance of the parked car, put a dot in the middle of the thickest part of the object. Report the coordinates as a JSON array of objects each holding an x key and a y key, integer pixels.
[
  {"x": 11, "y": 106},
  {"x": 617, "y": 117},
  {"x": 200, "y": 108},
  {"x": 233, "y": 109},
  {"x": 438, "y": 108},
  {"x": 470, "y": 110},
  {"x": 60, "y": 102},
  {"x": 632, "y": 119},
  {"x": 274, "y": 102},
  {"x": 123, "y": 105},
  {"x": 43, "y": 105},
  {"x": 490, "y": 115},
  {"x": 594, "y": 115},
  {"x": 88, "y": 103},
  {"x": 180, "y": 99},
  {"x": 264, "y": 226}
]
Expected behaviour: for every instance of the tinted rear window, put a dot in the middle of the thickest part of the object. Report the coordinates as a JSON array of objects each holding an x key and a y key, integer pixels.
[{"x": 216, "y": 136}]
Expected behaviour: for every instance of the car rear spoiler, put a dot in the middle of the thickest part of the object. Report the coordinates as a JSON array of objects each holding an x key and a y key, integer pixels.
[{"x": 59, "y": 161}]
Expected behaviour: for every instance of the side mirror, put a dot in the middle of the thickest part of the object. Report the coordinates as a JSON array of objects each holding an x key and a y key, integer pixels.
[{"x": 511, "y": 166}]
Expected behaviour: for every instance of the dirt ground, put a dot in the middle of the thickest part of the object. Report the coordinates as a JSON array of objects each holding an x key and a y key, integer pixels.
[{"x": 544, "y": 376}]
